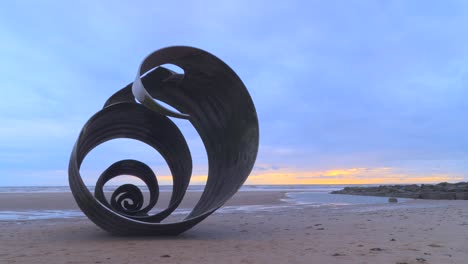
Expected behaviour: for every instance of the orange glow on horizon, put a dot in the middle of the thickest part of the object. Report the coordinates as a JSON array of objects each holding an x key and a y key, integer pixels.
[
  {"x": 384, "y": 175},
  {"x": 344, "y": 176},
  {"x": 281, "y": 179}
]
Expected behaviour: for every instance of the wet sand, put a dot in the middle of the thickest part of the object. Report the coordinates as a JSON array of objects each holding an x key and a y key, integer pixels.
[
  {"x": 421, "y": 231},
  {"x": 65, "y": 201}
]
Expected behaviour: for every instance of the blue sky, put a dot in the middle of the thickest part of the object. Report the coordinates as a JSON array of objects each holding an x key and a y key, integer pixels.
[{"x": 346, "y": 91}]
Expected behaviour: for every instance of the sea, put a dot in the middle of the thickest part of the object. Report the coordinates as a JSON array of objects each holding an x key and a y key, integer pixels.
[{"x": 297, "y": 196}]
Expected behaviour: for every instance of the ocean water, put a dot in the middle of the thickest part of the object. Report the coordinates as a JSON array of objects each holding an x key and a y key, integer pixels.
[
  {"x": 168, "y": 188},
  {"x": 322, "y": 198},
  {"x": 297, "y": 196}
]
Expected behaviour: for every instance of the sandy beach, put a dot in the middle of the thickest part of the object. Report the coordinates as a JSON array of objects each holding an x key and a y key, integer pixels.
[{"x": 418, "y": 231}]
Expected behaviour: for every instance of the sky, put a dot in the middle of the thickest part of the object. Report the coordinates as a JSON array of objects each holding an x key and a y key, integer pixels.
[{"x": 347, "y": 92}]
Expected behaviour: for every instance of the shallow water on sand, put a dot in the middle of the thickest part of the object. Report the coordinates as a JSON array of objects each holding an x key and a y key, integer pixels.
[
  {"x": 292, "y": 200},
  {"x": 321, "y": 198}
]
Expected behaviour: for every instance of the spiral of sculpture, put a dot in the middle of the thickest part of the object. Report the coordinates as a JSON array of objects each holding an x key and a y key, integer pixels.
[{"x": 209, "y": 95}]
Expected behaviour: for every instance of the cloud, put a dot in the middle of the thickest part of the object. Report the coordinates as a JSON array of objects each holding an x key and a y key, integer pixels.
[
  {"x": 350, "y": 176},
  {"x": 162, "y": 180},
  {"x": 336, "y": 84}
]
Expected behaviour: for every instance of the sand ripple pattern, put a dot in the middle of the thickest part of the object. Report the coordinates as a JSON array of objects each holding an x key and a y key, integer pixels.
[{"x": 212, "y": 98}]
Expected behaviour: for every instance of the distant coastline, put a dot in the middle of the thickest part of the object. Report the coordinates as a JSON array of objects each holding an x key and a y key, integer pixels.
[
  {"x": 440, "y": 191},
  {"x": 168, "y": 188}
]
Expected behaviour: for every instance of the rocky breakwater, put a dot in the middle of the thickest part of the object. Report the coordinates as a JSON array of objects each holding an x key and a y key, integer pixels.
[{"x": 441, "y": 191}]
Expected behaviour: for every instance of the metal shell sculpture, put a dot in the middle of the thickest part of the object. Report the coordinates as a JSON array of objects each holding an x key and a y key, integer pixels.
[{"x": 212, "y": 98}]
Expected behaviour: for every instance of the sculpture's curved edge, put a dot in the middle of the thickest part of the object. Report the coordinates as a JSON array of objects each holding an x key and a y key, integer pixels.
[
  {"x": 137, "y": 169},
  {"x": 118, "y": 121},
  {"x": 225, "y": 118}
]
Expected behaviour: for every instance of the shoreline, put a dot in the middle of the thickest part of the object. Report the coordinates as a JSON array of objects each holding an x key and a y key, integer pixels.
[
  {"x": 65, "y": 200},
  {"x": 55, "y": 205},
  {"x": 433, "y": 231}
]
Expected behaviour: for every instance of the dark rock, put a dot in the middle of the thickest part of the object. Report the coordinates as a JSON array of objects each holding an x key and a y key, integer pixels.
[
  {"x": 409, "y": 195},
  {"x": 441, "y": 191},
  {"x": 434, "y": 245},
  {"x": 392, "y": 200},
  {"x": 451, "y": 189},
  {"x": 438, "y": 195},
  {"x": 461, "y": 195}
]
